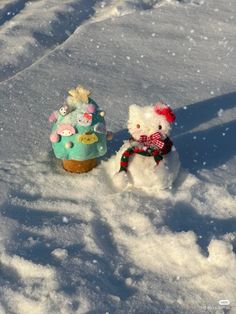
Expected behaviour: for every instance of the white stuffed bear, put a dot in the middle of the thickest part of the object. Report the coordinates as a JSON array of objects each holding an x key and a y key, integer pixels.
[{"x": 148, "y": 159}]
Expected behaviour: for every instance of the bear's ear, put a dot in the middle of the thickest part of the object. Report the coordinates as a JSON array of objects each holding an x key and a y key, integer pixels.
[{"x": 134, "y": 110}]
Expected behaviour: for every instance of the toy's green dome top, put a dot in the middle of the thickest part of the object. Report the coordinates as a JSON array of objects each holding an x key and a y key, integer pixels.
[{"x": 79, "y": 130}]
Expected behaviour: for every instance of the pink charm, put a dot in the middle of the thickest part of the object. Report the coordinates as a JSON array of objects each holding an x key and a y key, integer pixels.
[
  {"x": 65, "y": 130},
  {"x": 54, "y": 138},
  {"x": 91, "y": 108},
  {"x": 53, "y": 117}
]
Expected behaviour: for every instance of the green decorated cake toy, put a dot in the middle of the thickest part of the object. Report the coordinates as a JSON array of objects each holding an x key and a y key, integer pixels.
[{"x": 79, "y": 133}]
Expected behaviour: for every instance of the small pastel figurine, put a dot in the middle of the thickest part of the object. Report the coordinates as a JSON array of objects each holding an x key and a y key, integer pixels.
[
  {"x": 148, "y": 159},
  {"x": 79, "y": 134}
]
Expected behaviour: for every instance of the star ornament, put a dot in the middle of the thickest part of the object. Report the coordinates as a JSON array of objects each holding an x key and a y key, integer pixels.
[{"x": 80, "y": 94}]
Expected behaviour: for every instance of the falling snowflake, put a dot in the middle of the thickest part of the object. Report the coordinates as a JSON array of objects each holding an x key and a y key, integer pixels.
[
  {"x": 220, "y": 112},
  {"x": 65, "y": 220}
]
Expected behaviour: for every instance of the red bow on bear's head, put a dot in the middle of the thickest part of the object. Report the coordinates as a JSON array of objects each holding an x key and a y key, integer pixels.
[{"x": 164, "y": 110}]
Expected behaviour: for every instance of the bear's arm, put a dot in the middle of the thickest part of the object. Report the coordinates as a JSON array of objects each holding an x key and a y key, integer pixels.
[{"x": 167, "y": 146}]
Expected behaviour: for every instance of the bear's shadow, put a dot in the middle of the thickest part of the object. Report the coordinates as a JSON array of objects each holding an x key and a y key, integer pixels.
[{"x": 117, "y": 141}]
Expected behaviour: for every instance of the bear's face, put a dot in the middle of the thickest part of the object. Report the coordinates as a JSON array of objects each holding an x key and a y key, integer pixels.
[{"x": 145, "y": 121}]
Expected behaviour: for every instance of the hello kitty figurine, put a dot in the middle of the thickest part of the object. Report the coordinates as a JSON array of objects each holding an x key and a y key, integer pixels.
[{"x": 148, "y": 159}]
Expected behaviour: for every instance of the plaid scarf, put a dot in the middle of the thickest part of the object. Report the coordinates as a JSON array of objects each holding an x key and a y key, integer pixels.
[
  {"x": 152, "y": 140},
  {"x": 147, "y": 151}
]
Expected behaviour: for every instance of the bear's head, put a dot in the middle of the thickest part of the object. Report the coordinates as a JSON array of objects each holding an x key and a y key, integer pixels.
[{"x": 150, "y": 119}]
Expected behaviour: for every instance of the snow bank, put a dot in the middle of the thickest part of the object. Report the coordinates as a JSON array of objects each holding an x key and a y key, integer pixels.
[
  {"x": 148, "y": 247},
  {"x": 35, "y": 281},
  {"x": 115, "y": 8},
  {"x": 30, "y": 29}
]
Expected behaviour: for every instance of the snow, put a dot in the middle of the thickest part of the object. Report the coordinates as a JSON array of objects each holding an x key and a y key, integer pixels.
[{"x": 73, "y": 243}]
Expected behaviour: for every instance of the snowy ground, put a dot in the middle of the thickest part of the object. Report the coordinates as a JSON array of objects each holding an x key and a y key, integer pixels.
[{"x": 71, "y": 243}]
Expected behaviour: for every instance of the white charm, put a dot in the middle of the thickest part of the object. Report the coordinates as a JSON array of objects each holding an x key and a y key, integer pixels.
[{"x": 85, "y": 119}]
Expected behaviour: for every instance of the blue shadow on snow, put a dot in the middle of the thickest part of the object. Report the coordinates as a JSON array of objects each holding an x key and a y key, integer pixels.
[{"x": 185, "y": 218}]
